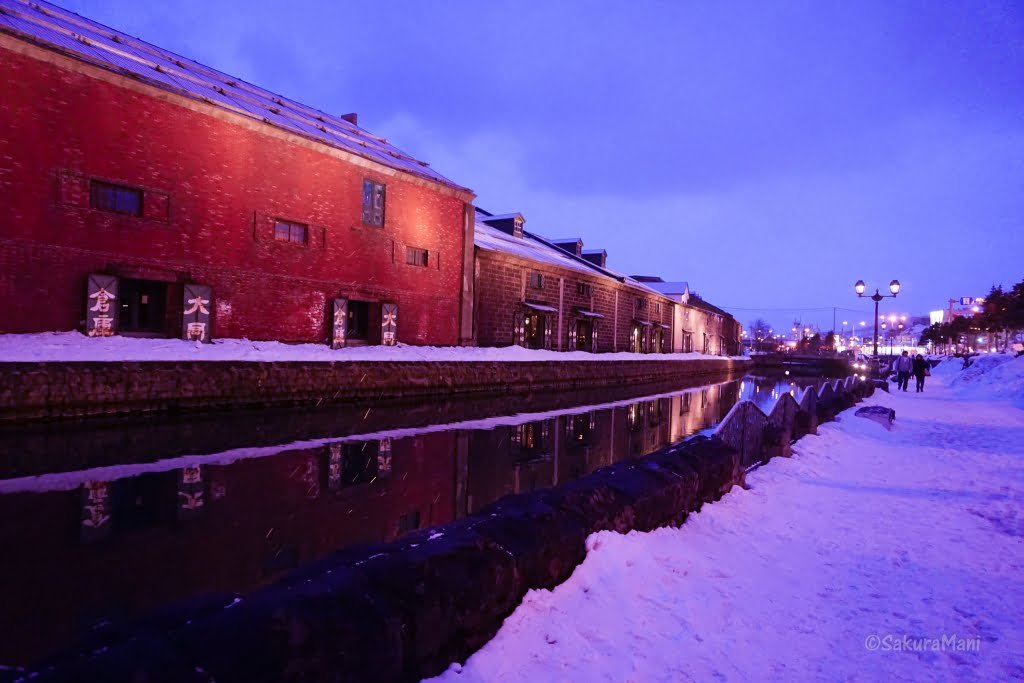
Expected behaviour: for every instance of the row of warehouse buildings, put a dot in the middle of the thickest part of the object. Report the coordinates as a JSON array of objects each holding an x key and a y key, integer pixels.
[{"x": 142, "y": 193}]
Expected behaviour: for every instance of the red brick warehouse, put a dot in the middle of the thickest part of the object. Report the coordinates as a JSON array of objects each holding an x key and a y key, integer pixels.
[{"x": 143, "y": 193}]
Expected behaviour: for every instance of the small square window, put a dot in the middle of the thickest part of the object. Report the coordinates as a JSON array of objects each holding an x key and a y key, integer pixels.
[
  {"x": 115, "y": 198},
  {"x": 537, "y": 280},
  {"x": 584, "y": 289},
  {"x": 373, "y": 203},
  {"x": 416, "y": 257},
  {"x": 285, "y": 231}
]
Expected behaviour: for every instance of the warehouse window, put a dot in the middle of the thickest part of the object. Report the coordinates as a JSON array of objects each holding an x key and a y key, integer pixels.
[
  {"x": 373, "y": 203},
  {"x": 416, "y": 257},
  {"x": 285, "y": 231},
  {"x": 584, "y": 289},
  {"x": 116, "y": 198},
  {"x": 537, "y": 280},
  {"x": 408, "y": 522}
]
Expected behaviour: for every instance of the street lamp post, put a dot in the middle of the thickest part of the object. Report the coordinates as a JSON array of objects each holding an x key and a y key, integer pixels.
[{"x": 894, "y": 287}]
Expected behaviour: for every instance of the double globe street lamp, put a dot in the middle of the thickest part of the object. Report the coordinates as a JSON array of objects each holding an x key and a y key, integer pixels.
[{"x": 894, "y": 287}]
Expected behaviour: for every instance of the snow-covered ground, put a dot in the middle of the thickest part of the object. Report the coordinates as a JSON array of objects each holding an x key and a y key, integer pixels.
[
  {"x": 870, "y": 555},
  {"x": 75, "y": 346}
]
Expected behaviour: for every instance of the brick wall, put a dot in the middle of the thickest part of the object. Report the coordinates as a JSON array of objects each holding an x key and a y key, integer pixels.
[
  {"x": 214, "y": 184},
  {"x": 502, "y": 284}
]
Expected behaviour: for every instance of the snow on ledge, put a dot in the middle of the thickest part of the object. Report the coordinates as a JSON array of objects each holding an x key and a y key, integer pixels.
[{"x": 75, "y": 346}]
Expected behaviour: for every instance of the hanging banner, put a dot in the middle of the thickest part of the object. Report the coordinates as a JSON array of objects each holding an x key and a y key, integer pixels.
[
  {"x": 388, "y": 324},
  {"x": 195, "y": 318},
  {"x": 101, "y": 306},
  {"x": 338, "y": 323},
  {"x": 519, "y": 328}
]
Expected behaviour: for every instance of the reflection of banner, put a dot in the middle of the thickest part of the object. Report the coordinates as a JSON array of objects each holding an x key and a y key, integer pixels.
[
  {"x": 384, "y": 458},
  {"x": 101, "y": 306},
  {"x": 310, "y": 477},
  {"x": 334, "y": 466},
  {"x": 190, "y": 492},
  {"x": 95, "y": 504}
]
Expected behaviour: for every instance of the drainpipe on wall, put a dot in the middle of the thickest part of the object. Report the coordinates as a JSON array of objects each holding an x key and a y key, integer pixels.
[
  {"x": 561, "y": 299},
  {"x": 467, "y": 335},
  {"x": 615, "y": 325}
]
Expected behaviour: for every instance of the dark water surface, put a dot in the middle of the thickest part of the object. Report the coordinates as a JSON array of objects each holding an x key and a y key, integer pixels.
[{"x": 105, "y": 521}]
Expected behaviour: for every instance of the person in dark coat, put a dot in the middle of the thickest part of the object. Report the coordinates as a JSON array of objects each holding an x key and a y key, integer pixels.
[
  {"x": 920, "y": 370},
  {"x": 903, "y": 366}
]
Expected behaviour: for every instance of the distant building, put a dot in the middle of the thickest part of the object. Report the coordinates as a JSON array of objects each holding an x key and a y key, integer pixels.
[
  {"x": 698, "y": 325},
  {"x": 143, "y": 193},
  {"x": 552, "y": 294}
]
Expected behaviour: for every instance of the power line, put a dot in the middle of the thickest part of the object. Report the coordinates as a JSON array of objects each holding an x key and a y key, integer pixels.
[{"x": 795, "y": 308}]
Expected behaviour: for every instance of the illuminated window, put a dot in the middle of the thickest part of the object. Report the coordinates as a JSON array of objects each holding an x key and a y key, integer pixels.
[
  {"x": 115, "y": 198},
  {"x": 285, "y": 231}
]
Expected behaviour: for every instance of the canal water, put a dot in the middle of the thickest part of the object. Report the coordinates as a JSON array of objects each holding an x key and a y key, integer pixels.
[{"x": 106, "y": 521}]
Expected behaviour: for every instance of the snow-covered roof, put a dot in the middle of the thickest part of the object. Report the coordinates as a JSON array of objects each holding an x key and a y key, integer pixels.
[
  {"x": 670, "y": 288},
  {"x": 595, "y": 251},
  {"x": 484, "y": 216},
  {"x": 562, "y": 240},
  {"x": 493, "y": 239},
  {"x": 68, "y": 33},
  {"x": 543, "y": 250}
]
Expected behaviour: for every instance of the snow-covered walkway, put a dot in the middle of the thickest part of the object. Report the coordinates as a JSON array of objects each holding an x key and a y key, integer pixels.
[
  {"x": 75, "y": 346},
  {"x": 870, "y": 555}
]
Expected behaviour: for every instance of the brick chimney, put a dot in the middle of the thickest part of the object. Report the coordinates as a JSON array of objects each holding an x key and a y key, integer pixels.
[{"x": 352, "y": 118}]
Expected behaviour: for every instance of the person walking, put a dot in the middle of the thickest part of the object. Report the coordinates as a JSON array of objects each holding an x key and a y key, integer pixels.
[
  {"x": 920, "y": 371},
  {"x": 903, "y": 366}
]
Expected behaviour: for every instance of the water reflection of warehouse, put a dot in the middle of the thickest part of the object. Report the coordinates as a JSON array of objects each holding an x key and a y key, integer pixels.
[{"x": 232, "y": 521}]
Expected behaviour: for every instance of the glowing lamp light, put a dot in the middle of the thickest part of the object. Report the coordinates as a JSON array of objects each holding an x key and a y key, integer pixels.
[
  {"x": 859, "y": 287},
  {"x": 894, "y": 287}
]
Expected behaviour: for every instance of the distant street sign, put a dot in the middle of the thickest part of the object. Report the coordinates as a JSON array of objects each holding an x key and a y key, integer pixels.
[{"x": 966, "y": 300}]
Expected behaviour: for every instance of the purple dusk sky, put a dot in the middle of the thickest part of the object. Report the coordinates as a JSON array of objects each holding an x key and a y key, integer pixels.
[{"x": 769, "y": 153}]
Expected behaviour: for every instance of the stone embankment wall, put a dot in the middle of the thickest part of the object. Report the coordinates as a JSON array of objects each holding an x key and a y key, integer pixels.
[
  {"x": 404, "y": 610},
  {"x": 32, "y": 391}
]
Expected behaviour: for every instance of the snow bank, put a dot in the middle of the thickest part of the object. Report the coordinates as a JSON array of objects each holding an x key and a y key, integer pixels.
[
  {"x": 74, "y": 346},
  {"x": 870, "y": 555},
  {"x": 992, "y": 376}
]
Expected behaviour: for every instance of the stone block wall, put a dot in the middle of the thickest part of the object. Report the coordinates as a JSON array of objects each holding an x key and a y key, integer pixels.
[{"x": 60, "y": 390}]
